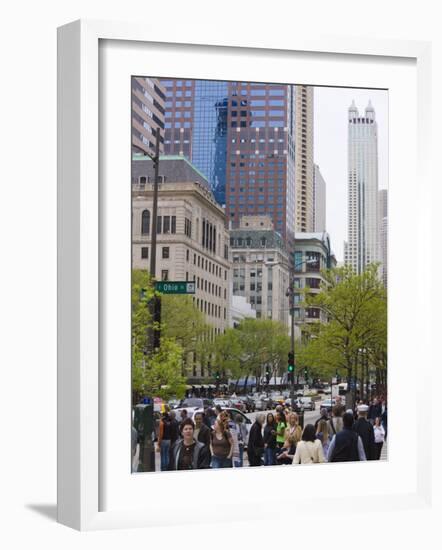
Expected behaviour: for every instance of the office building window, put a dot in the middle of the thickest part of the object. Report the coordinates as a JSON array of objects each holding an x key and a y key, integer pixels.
[
  {"x": 165, "y": 252},
  {"x": 144, "y": 252},
  {"x": 164, "y": 274}
]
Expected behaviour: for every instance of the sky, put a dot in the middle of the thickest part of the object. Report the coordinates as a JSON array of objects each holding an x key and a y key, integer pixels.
[{"x": 330, "y": 150}]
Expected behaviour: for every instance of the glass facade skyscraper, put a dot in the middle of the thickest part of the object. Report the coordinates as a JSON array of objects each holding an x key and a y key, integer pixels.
[
  {"x": 196, "y": 126},
  {"x": 209, "y": 140},
  {"x": 241, "y": 136}
]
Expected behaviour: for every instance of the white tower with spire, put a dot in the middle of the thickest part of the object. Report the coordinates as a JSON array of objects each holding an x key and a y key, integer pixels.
[{"x": 363, "y": 245}]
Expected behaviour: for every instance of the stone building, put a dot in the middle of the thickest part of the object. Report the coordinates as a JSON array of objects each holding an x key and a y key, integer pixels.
[
  {"x": 192, "y": 242},
  {"x": 312, "y": 254},
  {"x": 261, "y": 267}
]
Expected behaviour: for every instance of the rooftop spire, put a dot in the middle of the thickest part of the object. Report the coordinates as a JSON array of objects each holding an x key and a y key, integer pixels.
[
  {"x": 369, "y": 111},
  {"x": 353, "y": 110}
]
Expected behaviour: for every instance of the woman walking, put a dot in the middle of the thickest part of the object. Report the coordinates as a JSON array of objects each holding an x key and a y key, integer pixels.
[
  {"x": 221, "y": 445},
  {"x": 270, "y": 441},
  {"x": 324, "y": 436},
  {"x": 309, "y": 449},
  {"x": 379, "y": 437},
  {"x": 281, "y": 425},
  {"x": 242, "y": 438},
  {"x": 187, "y": 453}
]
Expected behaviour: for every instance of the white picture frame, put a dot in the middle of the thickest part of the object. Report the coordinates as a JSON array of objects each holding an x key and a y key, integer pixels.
[{"x": 83, "y": 297}]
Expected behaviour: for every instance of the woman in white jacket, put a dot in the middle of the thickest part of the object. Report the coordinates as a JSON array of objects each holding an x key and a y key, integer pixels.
[{"x": 309, "y": 449}]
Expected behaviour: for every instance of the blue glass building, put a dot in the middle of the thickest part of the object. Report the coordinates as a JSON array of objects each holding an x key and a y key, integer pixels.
[{"x": 196, "y": 127}]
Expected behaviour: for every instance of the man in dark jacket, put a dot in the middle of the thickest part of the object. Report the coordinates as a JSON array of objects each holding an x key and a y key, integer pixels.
[
  {"x": 202, "y": 432},
  {"x": 324, "y": 416},
  {"x": 374, "y": 411},
  {"x": 365, "y": 431},
  {"x": 346, "y": 445},
  {"x": 255, "y": 445}
]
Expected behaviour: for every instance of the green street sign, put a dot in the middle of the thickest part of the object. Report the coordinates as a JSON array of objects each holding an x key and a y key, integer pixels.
[{"x": 175, "y": 287}]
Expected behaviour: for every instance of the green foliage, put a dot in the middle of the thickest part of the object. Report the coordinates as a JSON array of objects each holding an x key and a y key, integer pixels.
[
  {"x": 159, "y": 373},
  {"x": 356, "y": 307},
  {"x": 244, "y": 350},
  {"x": 183, "y": 322},
  {"x": 163, "y": 376}
]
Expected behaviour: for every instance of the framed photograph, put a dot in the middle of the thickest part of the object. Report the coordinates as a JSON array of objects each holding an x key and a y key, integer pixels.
[{"x": 205, "y": 194}]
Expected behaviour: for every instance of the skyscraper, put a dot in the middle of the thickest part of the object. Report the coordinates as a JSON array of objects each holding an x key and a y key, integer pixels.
[
  {"x": 383, "y": 221},
  {"x": 148, "y": 97},
  {"x": 241, "y": 135},
  {"x": 261, "y": 154},
  {"x": 362, "y": 247},
  {"x": 319, "y": 201},
  {"x": 196, "y": 127},
  {"x": 304, "y": 159}
]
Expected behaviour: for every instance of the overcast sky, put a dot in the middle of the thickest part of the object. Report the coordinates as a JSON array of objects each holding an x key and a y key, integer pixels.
[{"x": 330, "y": 150}]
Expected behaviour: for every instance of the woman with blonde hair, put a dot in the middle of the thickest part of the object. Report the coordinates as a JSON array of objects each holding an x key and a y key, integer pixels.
[
  {"x": 292, "y": 435},
  {"x": 293, "y": 432},
  {"x": 323, "y": 434}
]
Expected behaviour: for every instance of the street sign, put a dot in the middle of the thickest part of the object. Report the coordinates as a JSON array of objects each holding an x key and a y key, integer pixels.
[{"x": 175, "y": 287}]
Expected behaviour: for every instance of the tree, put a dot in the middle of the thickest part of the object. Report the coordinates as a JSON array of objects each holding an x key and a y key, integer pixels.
[
  {"x": 163, "y": 376},
  {"x": 142, "y": 294},
  {"x": 183, "y": 322},
  {"x": 243, "y": 351},
  {"x": 227, "y": 353},
  {"x": 356, "y": 308},
  {"x": 154, "y": 373}
]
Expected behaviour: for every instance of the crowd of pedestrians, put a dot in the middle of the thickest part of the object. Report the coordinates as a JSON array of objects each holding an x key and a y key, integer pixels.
[{"x": 214, "y": 439}]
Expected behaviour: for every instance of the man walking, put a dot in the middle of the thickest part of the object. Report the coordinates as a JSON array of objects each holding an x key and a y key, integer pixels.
[
  {"x": 365, "y": 431},
  {"x": 346, "y": 445},
  {"x": 255, "y": 446},
  {"x": 164, "y": 440}
]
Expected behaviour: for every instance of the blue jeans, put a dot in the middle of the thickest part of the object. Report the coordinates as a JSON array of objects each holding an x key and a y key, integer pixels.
[
  {"x": 221, "y": 462},
  {"x": 238, "y": 461},
  {"x": 269, "y": 457},
  {"x": 165, "y": 454}
]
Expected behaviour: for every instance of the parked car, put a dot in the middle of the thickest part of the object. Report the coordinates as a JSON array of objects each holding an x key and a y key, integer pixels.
[
  {"x": 261, "y": 403},
  {"x": 222, "y": 402},
  {"x": 278, "y": 399},
  {"x": 308, "y": 403},
  {"x": 297, "y": 404},
  {"x": 193, "y": 405},
  {"x": 238, "y": 403},
  {"x": 328, "y": 404},
  {"x": 248, "y": 402}
]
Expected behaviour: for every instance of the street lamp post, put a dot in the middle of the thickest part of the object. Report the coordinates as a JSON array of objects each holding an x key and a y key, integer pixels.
[
  {"x": 291, "y": 295},
  {"x": 156, "y": 302}
]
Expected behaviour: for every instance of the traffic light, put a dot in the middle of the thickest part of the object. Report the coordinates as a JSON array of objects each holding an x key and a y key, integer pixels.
[
  {"x": 217, "y": 375},
  {"x": 305, "y": 374},
  {"x": 291, "y": 362},
  {"x": 291, "y": 367}
]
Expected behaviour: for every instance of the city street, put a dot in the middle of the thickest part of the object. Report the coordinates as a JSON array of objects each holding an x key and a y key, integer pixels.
[{"x": 310, "y": 417}]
